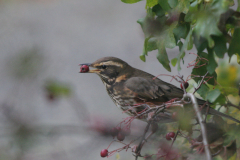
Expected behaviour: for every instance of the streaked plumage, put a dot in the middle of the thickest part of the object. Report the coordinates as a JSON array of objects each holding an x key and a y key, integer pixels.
[{"x": 128, "y": 86}]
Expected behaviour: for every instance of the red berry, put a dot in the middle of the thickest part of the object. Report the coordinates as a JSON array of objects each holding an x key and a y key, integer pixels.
[
  {"x": 186, "y": 84},
  {"x": 120, "y": 136},
  {"x": 126, "y": 131},
  {"x": 114, "y": 131},
  {"x": 104, "y": 153},
  {"x": 171, "y": 134},
  {"x": 154, "y": 127},
  {"x": 84, "y": 68},
  {"x": 167, "y": 137}
]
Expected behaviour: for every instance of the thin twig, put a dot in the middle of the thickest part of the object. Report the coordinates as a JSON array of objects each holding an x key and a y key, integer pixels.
[
  {"x": 200, "y": 84},
  {"x": 140, "y": 145},
  {"x": 202, "y": 124}
]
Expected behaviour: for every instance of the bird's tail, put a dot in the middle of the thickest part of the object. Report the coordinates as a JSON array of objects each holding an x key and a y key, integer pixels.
[{"x": 217, "y": 113}]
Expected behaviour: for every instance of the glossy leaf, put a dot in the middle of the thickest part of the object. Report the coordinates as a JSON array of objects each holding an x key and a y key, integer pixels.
[
  {"x": 174, "y": 62},
  {"x": 183, "y": 48},
  {"x": 173, "y": 3},
  {"x": 220, "y": 47},
  {"x": 234, "y": 47},
  {"x": 212, "y": 64},
  {"x": 203, "y": 90},
  {"x": 164, "y": 4},
  {"x": 163, "y": 57},
  {"x": 213, "y": 95},
  {"x": 151, "y": 3}
]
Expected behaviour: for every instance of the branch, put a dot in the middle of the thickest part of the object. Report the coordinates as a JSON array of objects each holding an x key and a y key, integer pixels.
[
  {"x": 202, "y": 124},
  {"x": 203, "y": 77},
  {"x": 138, "y": 150}
]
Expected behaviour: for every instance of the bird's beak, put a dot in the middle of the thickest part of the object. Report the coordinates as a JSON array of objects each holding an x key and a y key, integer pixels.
[{"x": 90, "y": 70}]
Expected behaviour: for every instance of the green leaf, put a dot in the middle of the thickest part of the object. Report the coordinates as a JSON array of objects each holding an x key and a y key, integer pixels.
[
  {"x": 221, "y": 99},
  {"x": 190, "y": 43},
  {"x": 151, "y": 3},
  {"x": 163, "y": 57},
  {"x": 203, "y": 90},
  {"x": 143, "y": 57},
  {"x": 200, "y": 44},
  {"x": 193, "y": 8},
  {"x": 164, "y": 4},
  {"x": 173, "y": 3},
  {"x": 206, "y": 26},
  {"x": 152, "y": 45},
  {"x": 212, "y": 64},
  {"x": 174, "y": 62},
  {"x": 130, "y": 1},
  {"x": 157, "y": 9},
  {"x": 183, "y": 48},
  {"x": 207, "y": 19},
  {"x": 234, "y": 47},
  {"x": 145, "y": 48},
  {"x": 183, "y": 6},
  {"x": 170, "y": 41},
  {"x": 181, "y": 31},
  {"x": 220, "y": 47},
  {"x": 213, "y": 95},
  {"x": 201, "y": 71}
]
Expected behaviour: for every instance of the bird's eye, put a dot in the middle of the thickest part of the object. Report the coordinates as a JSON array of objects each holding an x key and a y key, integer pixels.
[{"x": 104, "y": 66}]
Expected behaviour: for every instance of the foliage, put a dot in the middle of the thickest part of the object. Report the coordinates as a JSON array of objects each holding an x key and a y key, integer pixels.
[{"x": 212, "y": 27}]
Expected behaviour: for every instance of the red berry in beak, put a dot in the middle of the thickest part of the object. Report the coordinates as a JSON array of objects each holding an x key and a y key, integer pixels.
[{"x": 84, "y": 68}]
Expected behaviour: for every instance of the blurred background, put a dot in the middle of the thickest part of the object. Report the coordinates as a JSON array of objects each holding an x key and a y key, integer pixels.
[{"x": 48, "y": 111}]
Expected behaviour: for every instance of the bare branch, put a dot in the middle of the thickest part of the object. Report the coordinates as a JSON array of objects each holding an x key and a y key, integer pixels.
[
  {"x": 203, "y": 77},
  {"x": 202, "y": 124}
]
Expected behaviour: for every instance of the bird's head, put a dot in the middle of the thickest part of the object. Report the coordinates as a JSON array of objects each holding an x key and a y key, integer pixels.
[{"x": 108, "y": 68}]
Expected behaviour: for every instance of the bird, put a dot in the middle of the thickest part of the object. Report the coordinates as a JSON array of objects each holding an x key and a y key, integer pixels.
[{"x": 133, "y": 90}]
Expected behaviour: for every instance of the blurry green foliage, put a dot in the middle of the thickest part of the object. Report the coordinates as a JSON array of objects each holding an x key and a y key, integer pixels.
[
  {"x": 213, "y": 28},
  {"x": 210, "y": 26},
  {"x": 56, "y": 88}
]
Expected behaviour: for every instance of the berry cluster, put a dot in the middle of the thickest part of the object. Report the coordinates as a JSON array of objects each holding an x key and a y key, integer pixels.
[{"x": 118, "y": 132}]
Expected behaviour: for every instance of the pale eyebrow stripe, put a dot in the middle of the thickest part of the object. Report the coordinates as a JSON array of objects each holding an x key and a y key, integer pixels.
[{"x": 112, "y": 63}]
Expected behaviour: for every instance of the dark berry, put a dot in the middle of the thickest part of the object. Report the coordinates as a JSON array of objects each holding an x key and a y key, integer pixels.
[
  {"x": 170, "y": 135},
  {"x": 84, "y": 68},
  {"x": 167, "y": 137},
  {"x": 126, "y": 131},
  {"x": 154, "y": 127},
  {"x": 186, "y": 84},
  {"x": 104, "y": 153},
  {"x": 120, "y": 136}
]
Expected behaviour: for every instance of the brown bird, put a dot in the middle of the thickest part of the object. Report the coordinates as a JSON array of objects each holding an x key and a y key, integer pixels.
[{"x": 129, "y": 87}]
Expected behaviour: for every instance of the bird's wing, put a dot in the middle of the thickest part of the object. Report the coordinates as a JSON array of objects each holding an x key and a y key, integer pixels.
[{"x": 146, "y": 89}]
